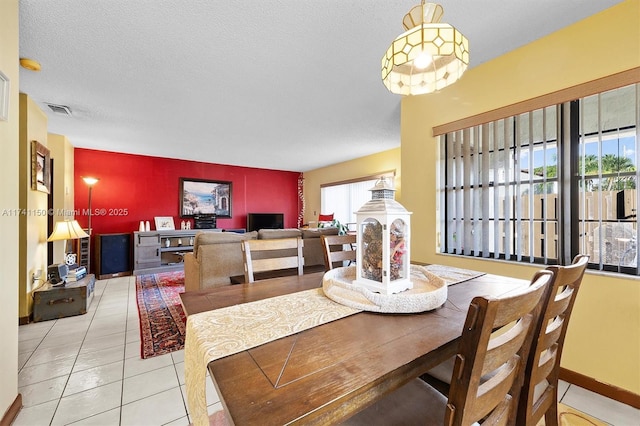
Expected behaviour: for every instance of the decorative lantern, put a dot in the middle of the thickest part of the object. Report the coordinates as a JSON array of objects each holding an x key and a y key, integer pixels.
[{"x": 383, "y": 263}]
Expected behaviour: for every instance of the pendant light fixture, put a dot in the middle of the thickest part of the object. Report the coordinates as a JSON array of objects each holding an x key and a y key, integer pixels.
[{"x": 428, "y": 56}]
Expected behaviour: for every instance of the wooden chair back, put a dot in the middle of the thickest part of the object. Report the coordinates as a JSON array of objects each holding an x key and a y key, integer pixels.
[
  {"x": 271, "y": 255},
  {"x": 539, "y": 396},
  {"x": 495, "y": 343},
  {"x": 333, "y": 247},
  {"x": 488, "y": 368}
]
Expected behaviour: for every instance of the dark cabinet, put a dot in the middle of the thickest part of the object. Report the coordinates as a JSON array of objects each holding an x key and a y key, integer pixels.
[{"x": 113, "y": 255}]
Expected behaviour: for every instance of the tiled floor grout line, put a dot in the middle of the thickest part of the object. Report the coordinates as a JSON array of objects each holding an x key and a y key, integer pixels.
[
  {"x": 69, "y": 375},
  {"x": 184, "y": 402},
  {"x": 95, "y": 312},
  {"x": 66, "y": 383},
  {"x": 124, "y": 354},
  {"x": 560, "y": 397}
]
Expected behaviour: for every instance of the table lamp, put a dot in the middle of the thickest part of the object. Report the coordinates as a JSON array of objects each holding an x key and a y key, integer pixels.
[{"x": 67, "y": 230}]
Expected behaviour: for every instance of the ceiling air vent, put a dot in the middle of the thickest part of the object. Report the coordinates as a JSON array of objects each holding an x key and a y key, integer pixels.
[{"x": 60, "y": 109}]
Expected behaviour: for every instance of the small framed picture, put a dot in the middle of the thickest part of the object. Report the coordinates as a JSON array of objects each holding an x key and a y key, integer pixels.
[
  {"x": 40, "y": 165},
  {"x": 164, "y": 223}
]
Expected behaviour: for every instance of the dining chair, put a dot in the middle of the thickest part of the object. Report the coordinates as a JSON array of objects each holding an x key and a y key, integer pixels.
[
  {"x": 539, "y": 396},
  {"x": 333, "y": 247},
  {"x": 271, "y": 255},
  {"x": 487, "y": 373}
]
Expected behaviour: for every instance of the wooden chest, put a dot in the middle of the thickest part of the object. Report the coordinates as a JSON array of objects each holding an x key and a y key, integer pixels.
[{"x": 74, "y": 298}]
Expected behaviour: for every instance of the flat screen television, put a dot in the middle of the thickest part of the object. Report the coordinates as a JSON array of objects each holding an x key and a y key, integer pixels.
[{"x": 257, "y": 221}]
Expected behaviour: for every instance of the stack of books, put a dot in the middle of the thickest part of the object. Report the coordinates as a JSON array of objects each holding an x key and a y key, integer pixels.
[{"x": 77, "y": 274}]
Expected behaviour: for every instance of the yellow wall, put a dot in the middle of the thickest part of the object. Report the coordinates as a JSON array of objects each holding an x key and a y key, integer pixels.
[
  {"x": 367, "y": 166},
  {"x": 603, "y": 340},
  {"x": 9, "y": 200},
  {"x": 62, "y": 154},
  {"x": 33, "y": 224}
]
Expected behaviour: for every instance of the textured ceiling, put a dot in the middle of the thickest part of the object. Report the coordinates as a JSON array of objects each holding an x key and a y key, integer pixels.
[{"x": 281, "y": 84}]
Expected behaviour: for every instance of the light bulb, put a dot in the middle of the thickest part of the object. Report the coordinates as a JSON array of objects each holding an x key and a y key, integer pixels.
[
  {"x": 423, "y": 60},
  {"x": 90, "y": 180}
]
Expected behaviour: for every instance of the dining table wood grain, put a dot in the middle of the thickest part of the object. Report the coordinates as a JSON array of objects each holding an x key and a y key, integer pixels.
[{"x": 327, "y": 373}]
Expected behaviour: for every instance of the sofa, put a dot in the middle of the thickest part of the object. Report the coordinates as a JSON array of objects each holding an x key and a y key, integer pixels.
[{"x": 217, "y": 256}]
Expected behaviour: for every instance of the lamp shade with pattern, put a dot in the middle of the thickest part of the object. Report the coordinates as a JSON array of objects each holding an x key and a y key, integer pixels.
[{"x": 428, "y": 56}]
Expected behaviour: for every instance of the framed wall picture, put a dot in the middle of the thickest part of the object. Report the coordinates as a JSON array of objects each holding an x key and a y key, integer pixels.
[
  {"x": 202, "y": 197},
  {"x": 4, "y": 97},
  {"x": 164, "y": 223},
  {"x": 40, "y": 165}
]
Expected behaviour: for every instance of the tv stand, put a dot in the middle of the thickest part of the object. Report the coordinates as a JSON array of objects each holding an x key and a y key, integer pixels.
[{"x": 162, "y": 251}]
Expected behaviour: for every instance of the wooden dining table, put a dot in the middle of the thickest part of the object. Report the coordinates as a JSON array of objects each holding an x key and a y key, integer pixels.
[{"x": 327, "y": 373}]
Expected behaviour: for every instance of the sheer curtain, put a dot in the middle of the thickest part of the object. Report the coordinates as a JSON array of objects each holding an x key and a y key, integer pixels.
[{"x": 343, "y": 200}]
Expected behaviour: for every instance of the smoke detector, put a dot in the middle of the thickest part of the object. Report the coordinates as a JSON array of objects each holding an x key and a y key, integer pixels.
[{"x": 60, "y": 109}]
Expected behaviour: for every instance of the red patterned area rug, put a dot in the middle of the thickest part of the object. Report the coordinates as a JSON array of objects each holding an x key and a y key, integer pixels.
[{"x": 162, "y": 320}]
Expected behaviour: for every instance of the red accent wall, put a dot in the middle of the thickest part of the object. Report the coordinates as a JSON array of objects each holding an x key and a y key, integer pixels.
[{"x": 137, "y": 187}]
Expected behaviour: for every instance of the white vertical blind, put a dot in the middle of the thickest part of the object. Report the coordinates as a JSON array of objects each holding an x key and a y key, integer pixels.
[
  {"x": 485, "y": 179},
  {"x": 459, "y": 228},
  {"x": 530, "y": 192},
  {"x": 467, "y": 215},
  {"x": 449, "y": 195},
  {"x": 518, "y": 189},
  {"x": 495, "y": 188},
  {"x": 505, "y": 143}
]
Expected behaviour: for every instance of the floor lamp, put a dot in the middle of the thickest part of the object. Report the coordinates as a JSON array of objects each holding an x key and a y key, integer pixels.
[{"x": 90, "y": 181}]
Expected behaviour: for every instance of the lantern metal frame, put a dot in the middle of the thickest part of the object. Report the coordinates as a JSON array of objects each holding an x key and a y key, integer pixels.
[{"x": 390, "y": 250}]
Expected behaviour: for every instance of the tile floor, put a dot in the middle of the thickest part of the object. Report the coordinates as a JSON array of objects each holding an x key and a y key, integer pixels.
[{"x": 86, "y": 370}]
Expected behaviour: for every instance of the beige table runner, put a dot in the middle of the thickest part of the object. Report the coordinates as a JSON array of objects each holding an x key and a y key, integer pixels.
[
  {"x": 215, "y": 334},
  {"x": 452, "y": 275}
]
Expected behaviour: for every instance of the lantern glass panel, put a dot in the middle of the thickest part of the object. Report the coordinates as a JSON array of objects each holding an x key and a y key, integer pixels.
[
  {"x": 371, "y": 249},
  {"x": 398, "y": 250}
]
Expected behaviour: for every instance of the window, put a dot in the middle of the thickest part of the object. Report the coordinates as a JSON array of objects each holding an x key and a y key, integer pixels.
[
  {"x": 542, "y": 186},
  {"x": 607, "y": 222},
  {"x": 344, "y": 199}
]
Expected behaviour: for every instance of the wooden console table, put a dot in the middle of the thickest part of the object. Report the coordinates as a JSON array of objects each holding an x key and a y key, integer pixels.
[{"x": 162, "y": 251}]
